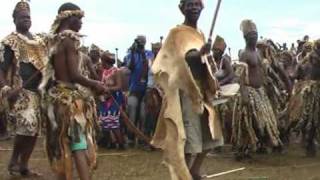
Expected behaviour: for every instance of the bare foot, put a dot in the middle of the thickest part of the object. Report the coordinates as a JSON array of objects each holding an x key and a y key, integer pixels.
[
  {"x": 13, "y": 170},
  {"x": 29, "y": 173}
]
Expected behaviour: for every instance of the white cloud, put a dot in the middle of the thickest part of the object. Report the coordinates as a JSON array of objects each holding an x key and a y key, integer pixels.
[
  {"x": 118, "y": 29},
  {"x": 291, "y": 29}
]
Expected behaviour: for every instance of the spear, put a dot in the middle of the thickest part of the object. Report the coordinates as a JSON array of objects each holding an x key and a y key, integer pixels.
[
  {"x": 214, "y": 21},
  {"x": 117, "y": 59},
  {"x": 229, "y": 49},
  {"x": 206, "y": 60}
]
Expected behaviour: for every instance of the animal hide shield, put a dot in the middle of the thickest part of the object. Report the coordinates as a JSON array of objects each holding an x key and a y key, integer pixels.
[{"x": 173, "y": 75}]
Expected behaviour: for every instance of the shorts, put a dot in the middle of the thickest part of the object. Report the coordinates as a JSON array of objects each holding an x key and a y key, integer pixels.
[
  {"x": 81, "y": 145},
  {"x": 197, "y": 130}
]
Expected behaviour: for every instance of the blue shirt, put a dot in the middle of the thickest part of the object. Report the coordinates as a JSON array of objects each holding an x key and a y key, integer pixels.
[{"x": 137, "y": 83}]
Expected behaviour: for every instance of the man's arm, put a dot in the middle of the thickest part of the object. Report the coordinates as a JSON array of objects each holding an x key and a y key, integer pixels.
[
  {"x": 193, "y": 59},
  {"x": 228, "y": 70},
  {"x": 212, "y": 63},
  {"x": 118, "y": 82},
  {"x": 93, "y": 72},
  {"x": 8, "y": 56},
  {"x": 72, "y": 62},
  {"x": 243, "y": 90}
]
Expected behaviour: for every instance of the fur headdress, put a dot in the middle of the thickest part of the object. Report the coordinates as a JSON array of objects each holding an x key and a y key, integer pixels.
[
  {"x": 23, "y": 5},
  {"x": 183, "y": 2},
  {"x": 64, "y": 15},
  {"x": 219, "y": 43},
  {"x": 248, "y": 26}
]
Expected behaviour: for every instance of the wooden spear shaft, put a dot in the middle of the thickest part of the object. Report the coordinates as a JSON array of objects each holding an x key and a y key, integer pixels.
[
  {"x": 215, "y": 17},
  {"x": 117, "y": 57},
  {"x": 224, "y": 173}
]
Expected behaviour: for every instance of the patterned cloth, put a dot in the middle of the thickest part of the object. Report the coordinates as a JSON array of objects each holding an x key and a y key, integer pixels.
[
  {"x": 20, "y": 58},
  {"x": 109, "y": 109},
  {"x": 26, "y": 113}
]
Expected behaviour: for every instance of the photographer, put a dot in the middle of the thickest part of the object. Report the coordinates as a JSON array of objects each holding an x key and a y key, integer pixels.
[{"x": 137, "y": 61}]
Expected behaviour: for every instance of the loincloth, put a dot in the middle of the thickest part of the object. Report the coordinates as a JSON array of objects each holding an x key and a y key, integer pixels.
[
  {"x": 25, "y": 113},
  {"x": 225, "y": 109},
  {"x": 225, "y": 116},
  {"x": 304, "y": 108},
  {"x": 275, "y": 92},
  {"x": 255, "y": 121},
  {"x": 71, "y": 117}
]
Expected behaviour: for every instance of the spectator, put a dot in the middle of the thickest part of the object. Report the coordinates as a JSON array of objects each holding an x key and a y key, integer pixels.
[
  {"x": 137, "y": 62},
  {"x": 110, "y": 106}
]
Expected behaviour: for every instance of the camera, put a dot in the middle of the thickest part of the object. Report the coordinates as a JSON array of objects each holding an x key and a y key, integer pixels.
[{"x": 137, "y": 45}]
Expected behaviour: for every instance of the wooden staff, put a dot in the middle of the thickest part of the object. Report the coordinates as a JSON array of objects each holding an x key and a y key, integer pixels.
[
  {"x": 214, "y": 21},
  {"x": 206, "y": 60},
  {"x": 161, "y": 39},
  {"x": 117, "y": 57},
  {"x": 29, "y": 80},
  {"x": 224, "y": 173},
  {"x": 131, "y": 127}
]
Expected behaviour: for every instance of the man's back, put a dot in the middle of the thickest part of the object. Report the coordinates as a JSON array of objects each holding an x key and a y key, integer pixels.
[{"x": 60, "y": 61}]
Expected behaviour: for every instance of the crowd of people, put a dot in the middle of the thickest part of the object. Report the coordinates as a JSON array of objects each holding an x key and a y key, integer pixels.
[{"x": 175, "y": 94}]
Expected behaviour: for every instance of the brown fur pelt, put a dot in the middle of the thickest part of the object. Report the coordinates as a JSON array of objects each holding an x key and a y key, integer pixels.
[
  {"x": 254, "y": 121},
  {"x": 172, "y": 74},
  {"x": 306, "y": 119},
  {"x": 275, "y": 88},
  {"x": 225, "y": 111},
  {"x": 68, "y": 113}
]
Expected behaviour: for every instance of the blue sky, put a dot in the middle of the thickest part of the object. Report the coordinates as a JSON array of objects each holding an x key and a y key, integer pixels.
[{"x": 115, "y": 23}]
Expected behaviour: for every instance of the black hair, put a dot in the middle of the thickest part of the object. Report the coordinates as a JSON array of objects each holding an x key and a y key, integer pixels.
[
  {"x": 111, "y": 61},
  {"x": 68, "y": 7}
]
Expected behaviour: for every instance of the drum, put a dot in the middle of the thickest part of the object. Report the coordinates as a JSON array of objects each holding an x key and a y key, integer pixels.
[
  {"x": 229, "y": 90},
  {"x": 225, "y": 93},
  {"x": 217, "y": 102}
]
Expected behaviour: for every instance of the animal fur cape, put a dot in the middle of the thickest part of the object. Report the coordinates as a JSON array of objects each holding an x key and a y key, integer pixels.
[{"x": 173, "y": 75}]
